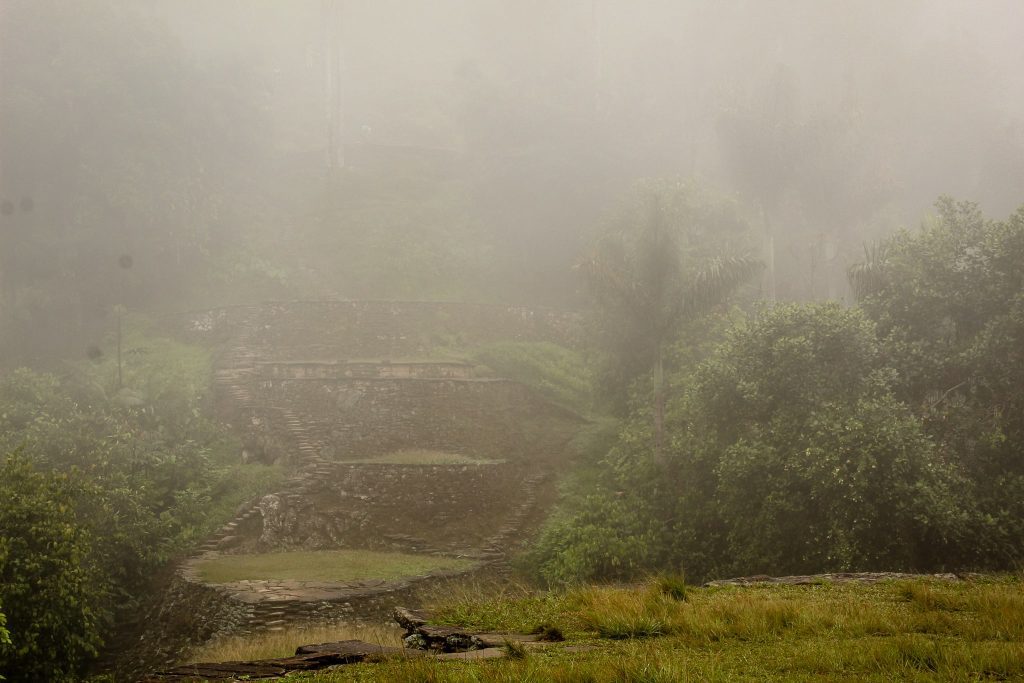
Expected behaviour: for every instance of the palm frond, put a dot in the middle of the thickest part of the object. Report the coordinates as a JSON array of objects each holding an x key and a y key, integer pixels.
[
  {"x": 717, "y": 279},
  {"x": 869, "y": 276}
]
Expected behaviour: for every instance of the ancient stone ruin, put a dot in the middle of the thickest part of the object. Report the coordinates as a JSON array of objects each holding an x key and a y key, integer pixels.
[{"x": 326, "y": 389}]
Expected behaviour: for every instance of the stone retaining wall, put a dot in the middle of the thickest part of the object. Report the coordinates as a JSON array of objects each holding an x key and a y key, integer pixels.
[
  {"x": 329, "y": 330},
  {"x": 363, "y": 370},
  {"x": 185, "y": 615},
  {"x": 356, "y": 418},
  {"x": 453, "y": 509}
]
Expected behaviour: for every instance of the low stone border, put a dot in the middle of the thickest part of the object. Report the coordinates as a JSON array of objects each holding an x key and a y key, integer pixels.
[{"x": 838, "y": 577}]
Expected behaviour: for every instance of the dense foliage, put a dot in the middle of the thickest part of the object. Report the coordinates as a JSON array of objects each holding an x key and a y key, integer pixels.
[
  {"x": 792, "y": 454},
  {"x": 949, "y": 301},
  {"x": 669, "y": 251},
  {"x": 103, "y": 487},
  {"x": 50, "y": 580},
  {"x": 813, "y": 437}
]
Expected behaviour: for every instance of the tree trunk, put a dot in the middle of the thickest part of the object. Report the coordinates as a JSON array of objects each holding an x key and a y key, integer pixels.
[
  {"x": 659, "y": 409},
  {"x": 768, "y": 249}
]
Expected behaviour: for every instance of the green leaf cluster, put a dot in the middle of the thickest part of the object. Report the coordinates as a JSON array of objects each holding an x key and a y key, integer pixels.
[
  {"x": 53, "y": 591},
  {"x": 135, "y": 482},
  {"x": 815, "y": 437}
]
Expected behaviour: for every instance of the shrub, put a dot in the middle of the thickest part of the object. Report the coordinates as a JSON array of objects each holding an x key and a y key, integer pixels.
[
  {"x": 52, "y": 592},
  {"x": 603, "y": 536},
  {"x": 797, "y": 457},
  {"x": 674, "y": 586}
]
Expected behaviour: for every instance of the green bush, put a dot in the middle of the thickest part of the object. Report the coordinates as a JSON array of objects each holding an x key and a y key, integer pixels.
[
  {"x": 146, "y": 474},
  {"x": 949, "y": 303},
  {"x": 788, "y": 453},
  {"x": 53, "y": 592},
  {"x": 792, "y": 455},
  {"x": 604, "y": 536}
]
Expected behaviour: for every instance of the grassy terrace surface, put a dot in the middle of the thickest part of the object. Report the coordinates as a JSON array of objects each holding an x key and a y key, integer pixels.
[
  {"x": 324, "y": 565},
  {"x": 898, "y": 631},
  {"x": 422, "y": 456}
]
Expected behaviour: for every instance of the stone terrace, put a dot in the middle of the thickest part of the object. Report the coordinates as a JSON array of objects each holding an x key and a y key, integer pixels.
[{"x": 317, "y": 416}]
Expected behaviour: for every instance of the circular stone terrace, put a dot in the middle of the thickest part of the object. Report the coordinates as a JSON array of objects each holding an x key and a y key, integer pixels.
[{"x": 401, "y": 472}]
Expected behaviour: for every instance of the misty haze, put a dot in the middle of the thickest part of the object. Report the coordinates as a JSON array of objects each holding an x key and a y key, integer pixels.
[{"x": 511, "y": 340}]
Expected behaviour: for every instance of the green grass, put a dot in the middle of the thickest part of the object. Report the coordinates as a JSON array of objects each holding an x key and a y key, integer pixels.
[
  {"x": 234, "y": 484},
  {"x": 560, "y": 374},
  {"x": 270, "y": 645},
  {"x": 422, "y": 456},
  {"x": 921, "y": 630},
  {"x": 324, "y": 565}
]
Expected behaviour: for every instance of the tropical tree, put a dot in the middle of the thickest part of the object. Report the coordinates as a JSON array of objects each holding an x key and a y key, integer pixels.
[
  {"x": 52, "y": 590},
  {"x": 666, "y": 261},
  {"x": 792, "y": 454},
  {"x": 949, "y": 303}
]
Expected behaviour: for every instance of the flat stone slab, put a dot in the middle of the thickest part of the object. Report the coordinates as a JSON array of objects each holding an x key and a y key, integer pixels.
[
  {"x": 499, "y": 639},
  {"x": 838, "y": 577},
  {"x": 486, "y": 653},
  {"x": 350, "y": 647},
  {"x": 306, "y": 658}
]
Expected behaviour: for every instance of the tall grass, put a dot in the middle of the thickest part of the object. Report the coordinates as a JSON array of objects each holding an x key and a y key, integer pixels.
[
  {"x": 560, "y": 374},
  {"x": 270, "y": 645},
  {"x": 919, "y": 630}
]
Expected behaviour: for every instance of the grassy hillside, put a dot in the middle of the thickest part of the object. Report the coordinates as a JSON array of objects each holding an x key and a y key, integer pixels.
[{"x": 921, "y": 630}]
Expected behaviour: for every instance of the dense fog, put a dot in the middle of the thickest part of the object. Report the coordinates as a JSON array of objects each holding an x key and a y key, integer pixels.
[
  {"x": 476, "y": 145},
  {"x": 308, "y": 304}
]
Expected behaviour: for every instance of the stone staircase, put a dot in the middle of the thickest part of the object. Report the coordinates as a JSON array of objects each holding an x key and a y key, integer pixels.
[
  {"x": 237, "y": 368},
  {"x": 310, "y": 464},
  {"x": 497, "y": 546}
]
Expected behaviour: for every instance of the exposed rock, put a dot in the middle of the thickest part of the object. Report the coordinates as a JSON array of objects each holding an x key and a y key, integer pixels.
[
  {"x": 838, "y": 577},
  {"x": 442, "y": 639},
  {"x": 274, "y": 525},
  {"x": 447, "y": 639},
  {"x": 410, "y": 619}
]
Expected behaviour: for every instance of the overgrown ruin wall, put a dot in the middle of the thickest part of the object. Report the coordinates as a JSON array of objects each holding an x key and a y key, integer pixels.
[
  {"x": 489, "y": 418},
  {"x": 454, "y": 509},
  {"x": 337, "y": 330},
  {"x": 318, "y": 385}
]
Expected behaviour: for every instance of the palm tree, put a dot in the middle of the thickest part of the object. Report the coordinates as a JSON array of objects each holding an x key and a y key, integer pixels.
[
  {"x": 868, "y": 276},
  {"x": 640, "y": 283}
]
